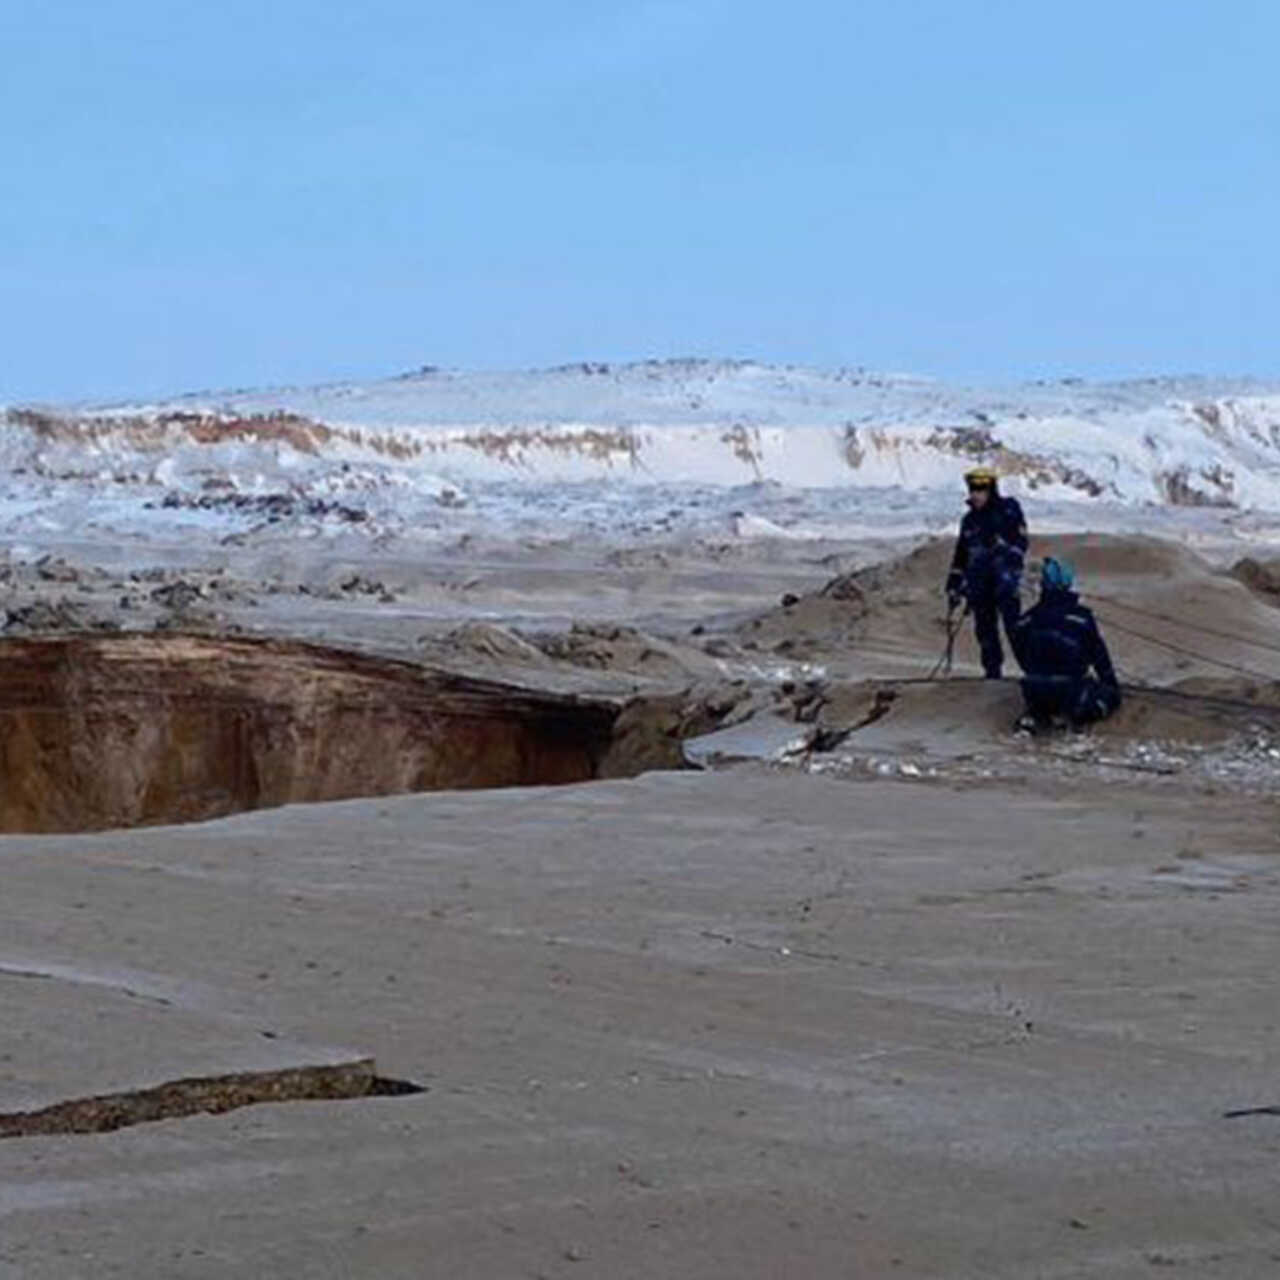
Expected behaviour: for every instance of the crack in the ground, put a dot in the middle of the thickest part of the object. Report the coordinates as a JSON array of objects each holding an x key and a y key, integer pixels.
[{"x": 210, "y": 1095}]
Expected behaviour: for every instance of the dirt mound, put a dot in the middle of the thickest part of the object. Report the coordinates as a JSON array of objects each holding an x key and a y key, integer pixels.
[
  {"x": 841, "y": 615},
  {"x": 486, "y": 642},
  {"x": 804, "y": 626},
  {"x": 1095, "y": 556},
  {"x": 1261, "y": 577},
  {"x": 649, "y": 731},
  {"x": 606, "y": 647},
  {"x": 1098, "y": 557},
  {"x": 914, "y": 583},
  {"x": 922, "y": 569},
  {"x": 1161, "y": 716},
  {"x": 1167, "y": 614}
]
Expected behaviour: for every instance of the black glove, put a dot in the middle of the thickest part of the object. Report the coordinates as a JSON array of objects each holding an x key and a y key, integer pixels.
[{"x": 955, "y": 596}]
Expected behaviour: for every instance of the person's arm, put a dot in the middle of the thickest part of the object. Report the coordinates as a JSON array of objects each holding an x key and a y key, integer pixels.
[
  {"x": 1019, "y": 636},
  {"x": 1100, "y": 658},
  {"x": 1015, "y": 526}
]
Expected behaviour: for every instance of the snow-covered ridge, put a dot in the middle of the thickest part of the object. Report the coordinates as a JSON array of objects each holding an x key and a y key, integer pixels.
[{"x": 725, "y": 423}]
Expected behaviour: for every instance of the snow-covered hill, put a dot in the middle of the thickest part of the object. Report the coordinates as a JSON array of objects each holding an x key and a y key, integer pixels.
[
  {"x": 560, "y": 442},
  {"x": 1180, "y": 441}
]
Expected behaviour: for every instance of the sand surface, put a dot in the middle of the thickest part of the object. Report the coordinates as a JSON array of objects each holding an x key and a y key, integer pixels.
[
  {"x": 885, "y": 989},
  {"x": 694, "y": 1024}
]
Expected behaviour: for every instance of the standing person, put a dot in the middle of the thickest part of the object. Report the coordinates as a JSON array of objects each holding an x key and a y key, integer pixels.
[
  {"x": 1058, "y": 642},
  {"x": 986, "y": 569}
]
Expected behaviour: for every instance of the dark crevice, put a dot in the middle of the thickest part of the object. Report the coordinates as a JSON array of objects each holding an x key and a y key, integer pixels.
[
  {"x": 120, "y": 731},
  {"x": 385, "y": 1087},
  {"x": 102, "y": 732},
  {"x": 208, "y": 1095}
]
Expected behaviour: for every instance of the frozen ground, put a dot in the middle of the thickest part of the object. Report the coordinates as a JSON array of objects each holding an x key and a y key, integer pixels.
[
  {"x": 681, "y": 448},
  {"x": 904, "y": 994}
]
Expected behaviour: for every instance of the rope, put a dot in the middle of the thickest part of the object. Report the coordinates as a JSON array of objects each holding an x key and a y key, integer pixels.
[
  {"x": 1191, "y": 653},
  {"x": 1130, "y": 688},
  {"x": 1221, "y": 701},
  {"x": 954, "y": 624},
  {"x": 1189, "y": 626}
]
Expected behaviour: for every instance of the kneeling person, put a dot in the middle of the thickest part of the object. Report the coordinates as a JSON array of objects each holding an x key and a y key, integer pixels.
[{"x": 1058, "y": 644}]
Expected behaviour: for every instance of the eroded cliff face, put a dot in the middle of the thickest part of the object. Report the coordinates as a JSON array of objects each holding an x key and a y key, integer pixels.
[{"x": 113, "y": 731}]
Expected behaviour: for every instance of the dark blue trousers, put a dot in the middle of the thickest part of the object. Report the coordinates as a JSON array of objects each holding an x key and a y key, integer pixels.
[
  {"x": 1082, "y": 699},
  {"x": 994, "y": 601}
]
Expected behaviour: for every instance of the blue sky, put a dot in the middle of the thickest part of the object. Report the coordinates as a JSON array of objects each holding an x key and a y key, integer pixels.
[{"x": 196, "y": 195}]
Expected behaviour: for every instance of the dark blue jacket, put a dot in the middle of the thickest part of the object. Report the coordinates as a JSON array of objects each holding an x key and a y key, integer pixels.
[
  {"x": 992, "y": 539},
  {"x": 1059, "y": 637}
]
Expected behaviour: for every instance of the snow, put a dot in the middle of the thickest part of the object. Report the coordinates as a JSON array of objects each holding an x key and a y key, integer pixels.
[{"x": 671, "y": 448}]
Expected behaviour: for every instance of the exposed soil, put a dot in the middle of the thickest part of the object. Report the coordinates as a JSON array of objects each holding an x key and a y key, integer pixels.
[
  {"x": 1260, "y": 576},
  {"x": 1166, "y": 613},
  {"x": 133, "y": 729}
]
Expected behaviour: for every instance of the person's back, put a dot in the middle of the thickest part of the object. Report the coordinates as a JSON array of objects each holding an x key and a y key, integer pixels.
[{"x": 1058, "y": 644}]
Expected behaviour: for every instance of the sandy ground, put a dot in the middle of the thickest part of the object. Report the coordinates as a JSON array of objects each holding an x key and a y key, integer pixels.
[
  {"x": 693, "y": 1024},
  {"x": 903, "y": 994}
]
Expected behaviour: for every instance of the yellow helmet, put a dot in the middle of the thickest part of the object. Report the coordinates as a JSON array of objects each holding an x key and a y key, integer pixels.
[{"x": 978, "y": 477}]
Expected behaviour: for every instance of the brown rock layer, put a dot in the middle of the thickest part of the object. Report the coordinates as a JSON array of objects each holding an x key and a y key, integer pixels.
[{"x": 106, "y": 731}]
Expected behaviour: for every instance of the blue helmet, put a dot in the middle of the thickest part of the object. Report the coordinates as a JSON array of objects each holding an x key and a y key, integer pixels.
[{"x": 1056, "y": 575}]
